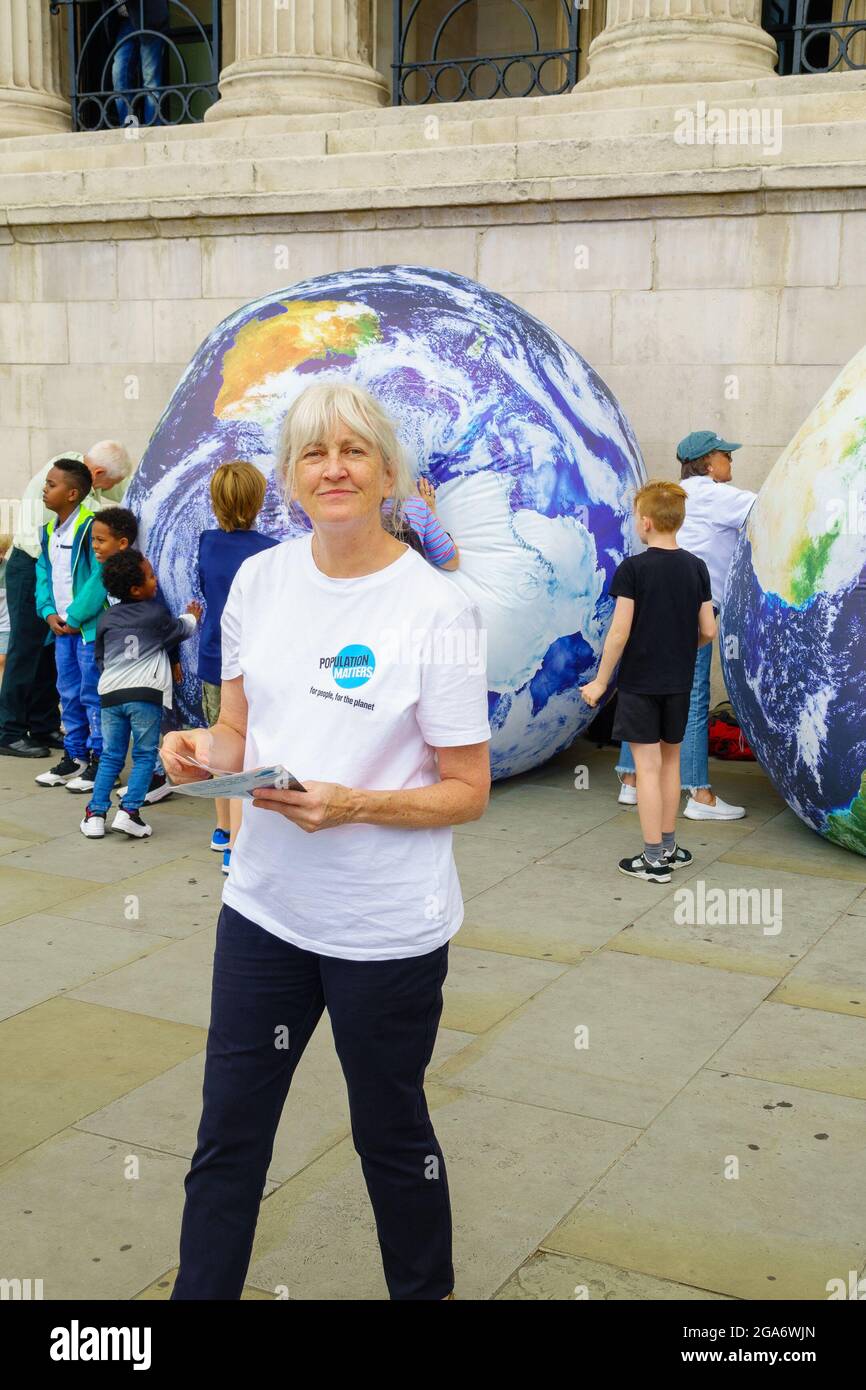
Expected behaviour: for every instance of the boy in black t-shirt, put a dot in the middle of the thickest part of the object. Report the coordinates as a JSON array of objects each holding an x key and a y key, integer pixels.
[{"x": 663, "y": 613}]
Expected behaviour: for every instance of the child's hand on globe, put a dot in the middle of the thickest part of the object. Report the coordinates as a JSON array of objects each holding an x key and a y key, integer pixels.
[
  {"x": 592, "y": 692},
  {"x": 427, "y": 492}
]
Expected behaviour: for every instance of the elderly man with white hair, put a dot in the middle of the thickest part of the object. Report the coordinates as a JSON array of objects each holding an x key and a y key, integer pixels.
[{"x": 29, "y": 711}]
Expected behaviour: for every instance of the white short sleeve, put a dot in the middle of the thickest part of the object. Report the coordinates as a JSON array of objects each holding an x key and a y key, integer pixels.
[
  {"x": 452, "y": 708},
  {"x": 230, "y": 627},
  {"x": 732, "y": 504}
]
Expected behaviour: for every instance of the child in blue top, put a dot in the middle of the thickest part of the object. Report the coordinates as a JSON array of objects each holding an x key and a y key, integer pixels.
[{"x": 237, "y": 492}]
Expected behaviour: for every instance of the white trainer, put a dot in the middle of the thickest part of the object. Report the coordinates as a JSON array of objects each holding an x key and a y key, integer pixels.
[
  {"x": 627, "y": 795},
  {"x": 93, "y": 825},
  {"x": 720, "y": 810},
  {"x": 130, "y": 823}
]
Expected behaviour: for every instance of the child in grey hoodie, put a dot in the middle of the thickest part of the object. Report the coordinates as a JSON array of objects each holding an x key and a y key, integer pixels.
[{"x": 131, "y": 652}]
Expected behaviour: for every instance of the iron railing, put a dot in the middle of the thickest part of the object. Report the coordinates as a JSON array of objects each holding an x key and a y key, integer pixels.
[
  {"x": 479, "y": 76},
  {"x": 810, "y": 39},
  {"x": 127, "y": 66}
]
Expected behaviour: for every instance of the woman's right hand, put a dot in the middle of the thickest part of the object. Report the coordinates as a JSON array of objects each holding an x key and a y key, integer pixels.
[{"x": 192, "y": 743}]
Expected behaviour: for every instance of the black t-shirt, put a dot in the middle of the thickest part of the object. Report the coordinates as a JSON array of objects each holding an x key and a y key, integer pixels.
[{"x": 668, "y": 588}]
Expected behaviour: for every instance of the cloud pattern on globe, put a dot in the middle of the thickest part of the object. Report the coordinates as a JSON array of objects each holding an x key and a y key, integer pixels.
[
  {"x": 794, "y": 617},
  {"x": 533, "y": 461}
]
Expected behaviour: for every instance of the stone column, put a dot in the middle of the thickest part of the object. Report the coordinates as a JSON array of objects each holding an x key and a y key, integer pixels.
[
  {"x": 647, "y": 41},
  {"x": 31, "y": 97},
  {"x": 300, "y": 56}
]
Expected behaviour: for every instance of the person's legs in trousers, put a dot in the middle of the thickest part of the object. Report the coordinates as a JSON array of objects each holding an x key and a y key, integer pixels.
[
  {"x": 625, "y": 762},
  {"x": 90, "y": 695},
  {"x": 28, "y": 698},
  {"x": 265, "y": 1003},
  {"x": 145, "y": 720},
  {"x": 385, "y": 1015},
  {"x": 694, "y": 760},
  {"x": 75, "y": 721},
  {"x": 123, "y": 70},
  {"x": 151, "y": 52},
  {"x": 115, "y": 741}
]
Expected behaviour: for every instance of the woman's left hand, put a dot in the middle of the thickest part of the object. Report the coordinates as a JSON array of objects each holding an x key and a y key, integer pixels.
[{"x": 322, "y": 805}]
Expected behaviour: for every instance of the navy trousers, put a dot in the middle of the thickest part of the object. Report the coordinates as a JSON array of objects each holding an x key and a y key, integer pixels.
[{"x": 384, "y": 1015}]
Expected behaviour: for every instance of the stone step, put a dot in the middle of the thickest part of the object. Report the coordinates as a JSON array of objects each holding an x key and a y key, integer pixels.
[
  {"x": 267, "y": 168},
  {"x": 457, "y": 124}
]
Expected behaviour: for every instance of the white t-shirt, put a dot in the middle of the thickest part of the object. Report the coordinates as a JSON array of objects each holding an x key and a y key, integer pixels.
[
  {"x": 353, "y": 681},
  {"x": 715, "y": 512}
]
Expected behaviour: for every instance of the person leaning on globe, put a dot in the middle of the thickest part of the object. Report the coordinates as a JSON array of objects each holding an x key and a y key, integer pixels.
[
  {"x": 343, "y": 896},
  {"x": 715, "y": 514}
]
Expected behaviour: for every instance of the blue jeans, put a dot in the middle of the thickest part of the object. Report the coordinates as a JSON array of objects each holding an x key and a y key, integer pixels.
[
  {"x": 384, "y": 1014},
  {"x": 142, "y": 721},
  {"x": 694, "y": 758},
  {"x": 149, "y": 51},
  {"x": 77, "y": 679}
]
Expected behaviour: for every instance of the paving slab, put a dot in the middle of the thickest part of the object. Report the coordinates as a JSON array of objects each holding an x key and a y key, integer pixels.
[
  {"x": 164, "y": 1113},
  {"x": 14, "y": 837},
  {"x": 507, "y": 1168},
  {"x": 541, "y": 817},
  {"x": 550, "y": 913},
  {"x": 115, "y": 857},
  {"x": 599, "y": 850},
  {"x": 176, "y": 987},
  {"x": 858, "y": 907},
  {"x": 160, "y": 1290},
  {"x": 651, "y": 1025},
  {"x": 63, "y": 1059},
  {"x": 176, "y": 899},
  {"x": 791, "y": 1221},
  {"x": 558, "y": 1278},
  {"x": 832, "y": 975},
  {"x": 482, "y": 862},
  {"x": 781, "y": 920},
  {"x": 72, "y": 1217},
  {"x": 47, "y": 812},
  {"x": 483, "y": 987},
  {"x": 44, "y": 955},
  {"x": 799, "y": 1047},
  {"x": 23, "y": 891},
  {"x": 784, "y": 842}
]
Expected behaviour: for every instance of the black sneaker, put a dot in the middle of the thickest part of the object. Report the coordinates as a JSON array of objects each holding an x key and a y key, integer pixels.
[
  {"x": 677, "y": 857},
  {"x": 641, "y": 867},
  {"x": 159, "y": 790},
  {"x": 62, "y": 772},
  {"x": 85, "y": 780},
  {"x": 25, "y": 747}
]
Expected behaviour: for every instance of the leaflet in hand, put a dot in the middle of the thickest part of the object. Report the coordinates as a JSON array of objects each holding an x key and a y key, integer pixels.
[{"x": 243, "y": 784}]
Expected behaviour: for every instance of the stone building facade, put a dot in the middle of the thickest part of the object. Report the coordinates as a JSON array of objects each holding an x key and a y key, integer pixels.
[{"x": 691, "y": 222}]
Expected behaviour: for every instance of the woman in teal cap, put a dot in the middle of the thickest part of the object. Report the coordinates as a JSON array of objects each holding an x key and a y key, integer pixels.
[{"x": 715, "y": 514}]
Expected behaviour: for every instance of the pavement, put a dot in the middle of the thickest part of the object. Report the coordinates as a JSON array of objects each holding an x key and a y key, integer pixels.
[{"x": 642, "y": 1091}]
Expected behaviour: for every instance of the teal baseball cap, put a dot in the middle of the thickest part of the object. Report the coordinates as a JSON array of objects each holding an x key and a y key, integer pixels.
[{"x": 701, "y": 442}]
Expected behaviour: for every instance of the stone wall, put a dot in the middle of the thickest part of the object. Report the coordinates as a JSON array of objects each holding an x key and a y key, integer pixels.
[{"x": 695, "y": 315}]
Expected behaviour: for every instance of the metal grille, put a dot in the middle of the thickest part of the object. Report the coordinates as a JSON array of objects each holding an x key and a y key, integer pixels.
[
  {"x": 817, "y": 35},
  {"x": 478, "y": 77},
  {"x": 129, "y": 62}
]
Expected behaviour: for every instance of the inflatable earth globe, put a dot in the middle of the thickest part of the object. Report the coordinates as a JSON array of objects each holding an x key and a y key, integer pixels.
[
  {"x": 794, "y": 618},
  {"x": 532, "y": 459}
]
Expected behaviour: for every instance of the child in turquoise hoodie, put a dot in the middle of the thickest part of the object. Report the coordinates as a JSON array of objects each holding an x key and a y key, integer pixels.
[{"x": 63, "y": 568}]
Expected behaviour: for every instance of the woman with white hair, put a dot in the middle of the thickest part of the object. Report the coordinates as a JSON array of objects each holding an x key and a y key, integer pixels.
[{"x": 353, "y": 662}]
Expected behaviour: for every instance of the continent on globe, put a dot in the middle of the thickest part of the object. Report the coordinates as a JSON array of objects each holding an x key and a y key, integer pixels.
[
  {"x": 794, "y": 617},
  {"x": 533, "y": 461}
]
